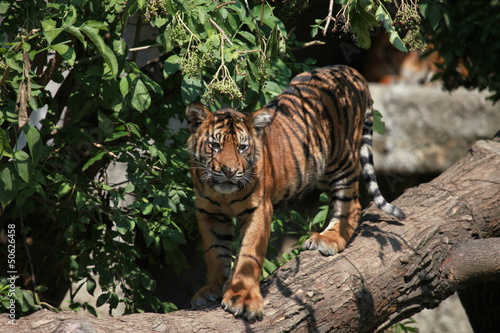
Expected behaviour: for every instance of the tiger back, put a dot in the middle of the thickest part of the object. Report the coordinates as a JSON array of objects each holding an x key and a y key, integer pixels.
[{"x": 316, "y": 133}]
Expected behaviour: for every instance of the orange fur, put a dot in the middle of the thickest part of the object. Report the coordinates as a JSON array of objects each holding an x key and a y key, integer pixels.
[{"x": 316, "y": 133}]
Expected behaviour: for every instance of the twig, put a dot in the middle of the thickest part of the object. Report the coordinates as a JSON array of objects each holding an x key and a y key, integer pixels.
[
  {"x": 137, "y": 37},
  {"x": 309, "y": 44},
  {"x": 134, "y": 49},
  {"x": 145, "y": 47},
  {"x": 98, "y": 145},
  {"x": 221, "y": 31},
  {"x": 329, "y": 18},
  {"x": 224, "y": 4},
  {"x": 28, "y": 254}
]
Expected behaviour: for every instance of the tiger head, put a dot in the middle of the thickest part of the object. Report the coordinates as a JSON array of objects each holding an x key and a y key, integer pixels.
[{"x": 224, "y": 146}]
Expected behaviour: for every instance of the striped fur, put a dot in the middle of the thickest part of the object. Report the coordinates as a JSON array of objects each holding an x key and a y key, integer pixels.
[{"x": 317, "y": 133}]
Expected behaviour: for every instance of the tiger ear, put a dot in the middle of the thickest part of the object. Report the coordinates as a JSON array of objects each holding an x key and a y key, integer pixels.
[
  {"x": 260, "y": 120},
  {"x": 196, "y": 114}
]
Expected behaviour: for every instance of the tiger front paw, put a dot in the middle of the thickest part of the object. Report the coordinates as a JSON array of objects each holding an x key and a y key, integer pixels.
[
  {"x": 206, "y": 296},
  {"x": 245, "y": 303},
  {"x": 325, "y": 244}
]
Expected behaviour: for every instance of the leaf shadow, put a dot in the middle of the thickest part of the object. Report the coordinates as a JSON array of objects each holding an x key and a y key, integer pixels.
[
  {"x": 297, "y": 296},
  {"x": 369, "y": 227}
]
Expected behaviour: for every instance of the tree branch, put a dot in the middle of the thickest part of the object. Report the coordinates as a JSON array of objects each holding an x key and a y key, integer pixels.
[
  {"x": 474, "y": 261},
  {"x": 389, "y": 271}
]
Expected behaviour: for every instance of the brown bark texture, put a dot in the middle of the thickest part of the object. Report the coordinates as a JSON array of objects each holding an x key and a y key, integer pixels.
[{"x": 389, "y": 271}]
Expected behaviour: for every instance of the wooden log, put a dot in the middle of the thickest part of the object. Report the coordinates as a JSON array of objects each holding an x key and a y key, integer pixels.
[{"x": 389, "y": 271}]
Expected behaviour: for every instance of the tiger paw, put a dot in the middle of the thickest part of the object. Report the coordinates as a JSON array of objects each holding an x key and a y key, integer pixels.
[
  {"x": 206, "y": 296},
  {"x": 248, "y": 304},
  {"x": 326, "y": 245}
]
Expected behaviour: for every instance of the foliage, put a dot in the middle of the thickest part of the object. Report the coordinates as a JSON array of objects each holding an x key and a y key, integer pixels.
[
  {"x": 25, "y": 300},
  {"x": 405, "y": 326},
  {"x": 56, "y": 173},
  {"x": 461, "y": 34}
]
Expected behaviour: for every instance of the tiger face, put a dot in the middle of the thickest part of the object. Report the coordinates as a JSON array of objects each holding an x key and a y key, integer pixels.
[{"x": 225, "y": 154}]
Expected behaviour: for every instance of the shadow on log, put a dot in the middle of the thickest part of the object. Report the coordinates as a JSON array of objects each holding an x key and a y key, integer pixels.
[{"x": 389, "y": 271}]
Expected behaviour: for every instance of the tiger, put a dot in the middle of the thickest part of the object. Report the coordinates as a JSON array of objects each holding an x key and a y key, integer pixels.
[{"x": 316, "y": 134}]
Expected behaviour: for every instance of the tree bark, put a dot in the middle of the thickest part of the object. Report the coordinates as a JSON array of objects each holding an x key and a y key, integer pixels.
[{"x": 389, "y": 271}]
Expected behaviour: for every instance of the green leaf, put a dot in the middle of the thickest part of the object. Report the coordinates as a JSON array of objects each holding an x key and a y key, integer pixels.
[
  {"x": 5, "y": 149},
  {"x": 49, "y": 29},
  {"x": 66, "y": 52},
  {"x": 363, "y": 35},
  {"x": 141, "y": 3},
  {"x": 140, "y": 96},
  {"x": 80, "y": 199},
  {"x": 113, "y": 301},
  {"x": 75, "y": 31},
  {"x": 91, "y": 286},
  {"x": 320, "y": 217},
  {"x": 432, "y": 12},
  {"x": 171, "y": 65},
  {"x": 148, "y": 282},
  {"x": 70, "y": 18},
  {"x": 4, "y": 7},
  {"x": 383, "y": 16},
  {"x": 23, "y": 165},
  {"x": 147, "y": 209},
  {"x": 151, "y": 85},
  {"x": 248, "y": 36},
  {"x": 134, "y": 129},
  {"x": 109, "y": 57},
  {"x": 9, "y": 185},
  {"x": 96, "y": 24},
  {"x": 129, "y": 188},
  {"x": 126, "y": 83},
  {"x": 378, "y": 123},
  {"x": 63, "y": 190},
  {"x": 34, "y": 142},
  {"x": 271, "y": 89},
  {"x": 93, "y": 159},
  {"x": 124, "y": 225},
  {"x": 102, "y": 299},
  {"x": 105, "y": 124},
  {"x": 190, "y": 88},
  {"x": 15, "y": 62}
]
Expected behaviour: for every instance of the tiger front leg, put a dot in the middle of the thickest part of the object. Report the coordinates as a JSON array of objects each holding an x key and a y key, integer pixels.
[
  {"x": 343, "y": 215},
  {"x": 242, "y": 295},
  {"x": 217, "y": 237}
]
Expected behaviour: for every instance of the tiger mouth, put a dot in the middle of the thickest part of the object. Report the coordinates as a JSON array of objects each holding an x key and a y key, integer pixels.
[{"x": 226, "y": 187}]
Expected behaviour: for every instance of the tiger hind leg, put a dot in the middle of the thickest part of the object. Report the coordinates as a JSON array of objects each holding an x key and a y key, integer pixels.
[{"x": 343, "y": 216}]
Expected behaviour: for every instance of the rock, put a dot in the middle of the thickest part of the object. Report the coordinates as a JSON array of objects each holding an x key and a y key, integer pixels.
[{"x": 428, "y": 129}]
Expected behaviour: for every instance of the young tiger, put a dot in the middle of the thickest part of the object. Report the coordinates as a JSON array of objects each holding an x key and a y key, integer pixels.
[{"x": 317, "y": 132}]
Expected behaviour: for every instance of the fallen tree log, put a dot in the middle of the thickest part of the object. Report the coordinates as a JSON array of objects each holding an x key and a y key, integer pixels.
[{"x": 390, "y": 270}]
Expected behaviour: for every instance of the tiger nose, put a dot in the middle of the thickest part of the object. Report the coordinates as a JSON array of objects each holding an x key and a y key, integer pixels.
[{"x": 229, "y": 172}]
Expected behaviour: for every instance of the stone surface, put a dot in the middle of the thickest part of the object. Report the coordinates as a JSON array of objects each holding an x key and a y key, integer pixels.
[
  {"x": 449, "y": 317},
  {"x": 428, "y": 129}
]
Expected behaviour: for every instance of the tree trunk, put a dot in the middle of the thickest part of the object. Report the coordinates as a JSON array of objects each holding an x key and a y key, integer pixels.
[
  {"x": 481, "y": 302},
  {"x": 389, "y": 271}
]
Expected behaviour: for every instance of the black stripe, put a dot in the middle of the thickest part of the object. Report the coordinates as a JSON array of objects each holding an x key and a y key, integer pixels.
[
  {"x": 247, "y": 211},
  {"x": 339, "y": 197},
  {"x": 336, "y": 184},
  {"x": 227, "y": 256},
  {"x": 218, "y": 216},
  {"x": 218, "y": 246},
  {"x": 222, "y": 237},
  {"x": 253, "y": 258},
  {"x": 294, "y": 157},
  {"x": 247, "y": 195},
  {"x": 212, "y": 201}
]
